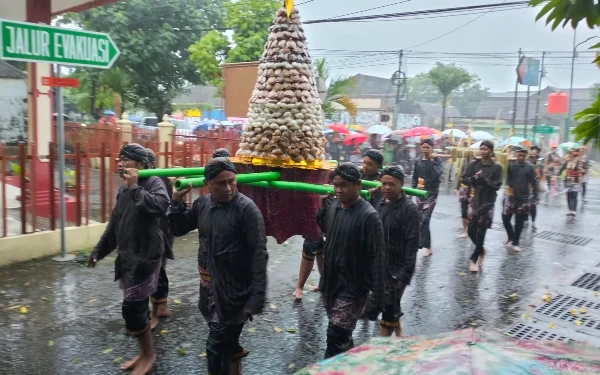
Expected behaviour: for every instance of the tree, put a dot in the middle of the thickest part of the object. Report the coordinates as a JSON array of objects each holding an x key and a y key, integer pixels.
[
  {"x": 154, "y": 36},
  {"x": 338, "y": 90},
  {"x": 595, "y": 90},
  {"x": 250, "y": 26},
  {"x": 447, "y": 78},
  {"x": 576, "y": 11}
]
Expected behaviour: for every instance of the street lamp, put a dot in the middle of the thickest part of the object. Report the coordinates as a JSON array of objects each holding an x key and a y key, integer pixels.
[{"x": 570, "y": 110}]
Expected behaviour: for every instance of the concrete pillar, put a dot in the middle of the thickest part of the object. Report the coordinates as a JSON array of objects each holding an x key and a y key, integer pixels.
[
  {"x": 165, "y": 135},
  {"x": 126, "y": 127}
]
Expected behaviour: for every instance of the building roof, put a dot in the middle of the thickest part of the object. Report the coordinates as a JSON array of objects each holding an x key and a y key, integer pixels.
[
  {"x": 195, "y": 95},
  {"x": 8, "y": 71},
  {"x": 371, "y": 85}
]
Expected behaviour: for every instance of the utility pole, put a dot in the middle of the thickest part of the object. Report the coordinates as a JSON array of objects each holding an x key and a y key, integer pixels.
[
  {"x": 398, "y": 80},
  {"x": 526, "y": 112},
  {"x": 537, "y": 101},
  {"x": 514, "y": 116}
]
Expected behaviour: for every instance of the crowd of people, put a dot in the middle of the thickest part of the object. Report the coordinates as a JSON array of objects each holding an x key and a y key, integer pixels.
[{"x": 366, "y": 255}]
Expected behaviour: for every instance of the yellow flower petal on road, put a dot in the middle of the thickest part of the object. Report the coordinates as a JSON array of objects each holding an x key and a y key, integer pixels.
[
  {"x": 23, "y": 310},
  {"x": 277, "y": 329},
  {"x": 272, "y": 306},
  {"x": 50, "y": 343},
  {"x": 14, "y": 307},
  {"x": 252, "y": 330},
  {"x": 583, "y": 311},
  {"x": 292, "y": 365},
  {"x": 514, "y": 295},
  {"x": 202, "y": 355},
  {"x": 578, "y": 322},
  {"x": 118, "y": 360},
  {"x": 291, "y": 330},
  {"x": 547, "y": 297},
  {"x": 181, "y": 351},
  {"x": 176, "y": 301},
  {"x": 552, "y": 325},
  {"x": 461, "y": 274},
  {"x": 107, "y": 351},
  {"x": 573, "y": 312},
  {"x": 267, "y": 320},
  {"x": 45, "y": 299},
  {"x": 163, "y": 331}
]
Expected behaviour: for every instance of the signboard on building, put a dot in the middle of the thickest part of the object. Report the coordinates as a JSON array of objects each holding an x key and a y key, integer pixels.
[
  {"x": 544, "y": 129},
  {"x": 528, "y": 71},
  {"x": 32, "y": 42},
  {"x": 407, "y": 121},
  {"x": 60, "y": 82}
]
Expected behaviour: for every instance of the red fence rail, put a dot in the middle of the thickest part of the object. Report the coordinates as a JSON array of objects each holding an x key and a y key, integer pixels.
[{"x": 29, "y": 204}]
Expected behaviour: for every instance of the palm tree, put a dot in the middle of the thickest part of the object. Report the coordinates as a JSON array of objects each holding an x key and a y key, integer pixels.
[
  {"x": 119, "y": 83},
  {"x": 447, "y": 78},
  {"x": 338, "y": 90}
]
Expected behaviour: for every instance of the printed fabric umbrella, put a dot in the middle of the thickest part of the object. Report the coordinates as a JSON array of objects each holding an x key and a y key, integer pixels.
[
  {"x": 379, "y": 129},
  {"x": 568, "y": 145},
  {"x": 481, "y": 136},
  {"x": 418, "y": 131},
  {"x": 338, "y": 127},
  {"x": 455, "y": 132},
  {"x": 356, "y": 128},
  {"x": 466, "y": 351},
  {"x": 357, "y": 138}
]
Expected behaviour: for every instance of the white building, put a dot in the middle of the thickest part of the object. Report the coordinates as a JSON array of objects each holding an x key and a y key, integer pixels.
[{"x": 13, "y": 104}]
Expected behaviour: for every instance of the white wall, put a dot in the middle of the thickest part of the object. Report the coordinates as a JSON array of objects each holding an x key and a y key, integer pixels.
[{"x": 13, "y": 110}]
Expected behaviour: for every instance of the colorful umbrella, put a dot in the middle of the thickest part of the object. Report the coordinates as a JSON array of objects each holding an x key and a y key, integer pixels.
[
  {"x": 569, "y": 145},
  {"x": 379, "y": 129},
  {"x": 481, "y": 136},
  {"x": 418, "y": 131},
  {"x": 455, "y": 132},
  {"x": 340, "y": 128},
  {"x": 355, "y": 138},
  {"x": 356, "y": 128},
  {"x": 465, "y": 351},
  {"x": 515, "y": 141}
]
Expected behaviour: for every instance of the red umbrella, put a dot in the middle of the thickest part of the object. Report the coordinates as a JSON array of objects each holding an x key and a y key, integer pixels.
[
  {"x": 340, "y": 128},
  {"x": 418, "y": 131},
  {"x": 355, "y": 138}
]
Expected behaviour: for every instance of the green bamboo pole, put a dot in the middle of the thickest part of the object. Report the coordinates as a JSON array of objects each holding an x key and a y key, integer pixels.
[
  {"x": 408, "y": 191},
  {"x": 240, "y": 178},
  {"x": 301, "y": 186},
  {"x": 171, "y": 172}
]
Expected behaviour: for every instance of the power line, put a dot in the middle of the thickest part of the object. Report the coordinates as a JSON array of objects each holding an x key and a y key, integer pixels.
[
  {"x": 416, "y": 13},
  {"x": 366, "y": 10}
]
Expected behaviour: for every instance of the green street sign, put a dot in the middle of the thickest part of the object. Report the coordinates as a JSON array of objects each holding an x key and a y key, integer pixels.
[
  {"x": 544, "y": 129},
  {"x": 32, "y": 42}
]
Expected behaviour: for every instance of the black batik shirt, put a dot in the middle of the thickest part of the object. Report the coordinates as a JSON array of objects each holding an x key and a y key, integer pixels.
[{"x": 485, "y": 187}]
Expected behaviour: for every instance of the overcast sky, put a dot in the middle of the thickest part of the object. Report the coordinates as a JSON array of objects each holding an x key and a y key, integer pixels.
[{"x": 498, "y": 32}]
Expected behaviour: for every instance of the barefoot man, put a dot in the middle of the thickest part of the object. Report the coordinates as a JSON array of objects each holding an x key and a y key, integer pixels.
[
  {"x": 233, "y": 247},
  {"x": 135, "y": 229},
  {"x": 483, "y": 177},
  {"x": 520, "y": 181},
  {"x": 311, "y": 249},
  {"x": 427, "y": 175},
  {"x": 160, "y": 309},
  {"x": 400, "y": 219},
  {"x": 355, "y": 261}
]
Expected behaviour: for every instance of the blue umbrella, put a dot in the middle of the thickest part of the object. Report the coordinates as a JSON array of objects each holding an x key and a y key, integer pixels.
[
  {"x": 513, "y": 141},
  {"x": 134, "y": 118},
  {"x": 108, "y": 112}
]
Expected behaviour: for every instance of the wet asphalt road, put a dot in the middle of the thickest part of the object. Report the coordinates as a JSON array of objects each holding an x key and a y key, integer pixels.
[{"x": 73, "y": 323}]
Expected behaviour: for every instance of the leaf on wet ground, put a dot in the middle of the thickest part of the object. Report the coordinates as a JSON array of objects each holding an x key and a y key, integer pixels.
[
  {"x": 514, "y": 295},
  {"x": 45, "y": 299},
  {"x": 118, "y": 360},
  {"x": 176, "y": 301},
  {"x": 163, "y": 331},
  {"x": 181, "y": 351},
  {"x": 202, "y": 355},
  {"x": 532, "y": 307},
  {"x": 292, "y": 365},
  {"x": 277, "y": 329},
  {"x": 252, "y": 330},
  {"x": 596, "y": 294},
  {"x": 524, "y": 316},
  {"x": 267, "y": 320},
  {"x": 552, "y": 325},
  {"x": 573, "y": 311},
  {"x": 92, "y": 300},
  {"x": 277, "y": 262},
  {"x": 291, "y": 330},
  {"x": 272, "y": 306},
  {"x": 75, "y": 361},
  {"x": 461, "y": 274},
  {"x": 583, "y": 310},
  {"x": 196, "y": 242},
  {"x": 23, "y": 310},
  {"x": 47, "y": 287},
  {"x": 547, "y": 297},
  {"x": 578, "y": 322},
  {"x": 27, "y": 283},
  {"x": 473, "y": 323},
  {"x": 51, "y": 343},
  {"x": 14, "y": 307},
  {"x": 107, "y": 350}
]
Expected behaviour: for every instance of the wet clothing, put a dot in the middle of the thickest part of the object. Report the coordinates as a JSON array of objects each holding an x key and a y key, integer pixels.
[
  {"x": 481, "y": 206},
  {"x": 355, "y": 264},
  {"x": 135, "y": 229},
  {"x": 232, "y": 246},
  {"x": 521, "y": 180},
  {"x": 311, "y": 248},
  {"x": 376, "y": 196},
  {"x": 162, "y": 289},
  {"x": 401, "y": 234},
  {"x": 575, "y": 170},
  {"x": 427, "y": 175}
]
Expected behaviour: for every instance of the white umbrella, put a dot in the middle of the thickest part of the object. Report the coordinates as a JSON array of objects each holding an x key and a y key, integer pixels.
[
  {"x": 379, "y": 129},
  {"x": 227, "y": 123},
  {"x": 482, "y": 136},
  {"x": 455, "y": 132},
  {"x": 475, "y": 145}
]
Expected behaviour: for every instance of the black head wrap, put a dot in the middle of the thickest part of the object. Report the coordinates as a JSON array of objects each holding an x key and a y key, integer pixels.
[
  {"x": 221, "y": 153},
  {"x": 429, "y": 141},
  {"x": 375, "y": 155},
  {"x": 216, "y": 166},
  {"x": 134, "y": 151},
  {"x": 520, "y": 149},
  {"x": 537, "y": 148},
  {"x": 151, "y": 158},
  {"x": 395, "y": 171},
  {"x": 488, "y": 144},
  {"x": 347, "y": 171}
]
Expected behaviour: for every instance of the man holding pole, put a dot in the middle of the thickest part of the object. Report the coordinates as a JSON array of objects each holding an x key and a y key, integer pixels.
[
  {"x": 232, "y": 245},
  {"x": 135, "y": 228}
]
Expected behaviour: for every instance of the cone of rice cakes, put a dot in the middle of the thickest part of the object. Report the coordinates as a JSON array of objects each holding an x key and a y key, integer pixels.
[{"x": 284, "y": 116}]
